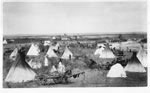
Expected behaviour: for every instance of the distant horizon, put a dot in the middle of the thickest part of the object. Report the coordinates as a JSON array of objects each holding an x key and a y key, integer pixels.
[{"x": 77, "y": 34}]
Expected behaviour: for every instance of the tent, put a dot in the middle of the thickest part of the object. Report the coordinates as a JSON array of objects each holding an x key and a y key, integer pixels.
[
  {"x": 61, "y": 68},
  {"x": 47, "y": 43},
  {"x": 67, "y": 54},
  {"x": 34, "y": 50},
  {"x": 50, "y": 53},
  {"x": 107, "y": 53},
  {"x": 134, "y": 65},
  {"x": 20, "y": 71},
  {"x": 4, "y": 42},
  {"x": 45, "y": 61},
  {"x": 98, "y": 51},
  {"x": 53, "y": 37},
  {"x": 142, "y": 56},
  {"x": 14, "y": 54},
  {"x": 53, "y": 69},
  {"x": 116, "y": 71}
]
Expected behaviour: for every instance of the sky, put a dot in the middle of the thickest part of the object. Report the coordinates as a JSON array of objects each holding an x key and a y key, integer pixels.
[{"x": 46, "y": 18}]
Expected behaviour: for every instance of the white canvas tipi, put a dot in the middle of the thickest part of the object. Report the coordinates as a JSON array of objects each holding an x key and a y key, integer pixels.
[
  {"x": 34, "y": 50},
  {"x": 5, "y": 42},
  {"x": 142, "y": 56},
  {"x": 107, "y": 53},
  {"x": 14, "y": 54},
  {"x": 99, "y": 51},
  {"x": 50, "y": 53},
  {"x": 116, "y": 71},
  {"x": 20, "y": 71},
  {"x": 67, "y": 54},
  {"x": 134, "y": 65},
  {"x": 53, "y": 69},
  {"x": 47, "y": 43}
]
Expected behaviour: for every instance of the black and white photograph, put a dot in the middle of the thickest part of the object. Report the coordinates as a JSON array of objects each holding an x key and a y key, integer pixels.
[{"x": 74, "y": 44}]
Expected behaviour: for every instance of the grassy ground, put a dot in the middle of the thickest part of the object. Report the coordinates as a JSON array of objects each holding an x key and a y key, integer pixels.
[{"x": 91, "y": 78}]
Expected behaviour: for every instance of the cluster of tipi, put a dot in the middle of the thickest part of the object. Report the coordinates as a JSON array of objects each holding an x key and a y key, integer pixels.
[
  {"x": 20, "y": 66},
  {"x": 21, "y": 71},
  {"x": 35, "y": 51},
  {"x": 136, "y": 64}
]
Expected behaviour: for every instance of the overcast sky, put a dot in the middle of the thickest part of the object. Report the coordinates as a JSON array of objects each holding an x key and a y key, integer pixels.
[{"x": 74, "y": 17}]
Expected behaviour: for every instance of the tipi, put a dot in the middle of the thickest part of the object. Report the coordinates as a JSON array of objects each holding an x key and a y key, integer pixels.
[
  {"x": 116, "y": 71},
  {"x": 20, "y": 71},
  {"x": 47, "y": 43},
  {"x": 53, "y": 69},
  {"x": 61, "y": 68},
  {"x": 142, "y": 56},
  {"x": 5, "y": 42},
  {"x": 67, "y": 54},
  {"x": 14, "y": 54},
  {"x": 107, "y": 53},
  {"x": 98, "y": 51},
  {"x": 34, "y": 50},
  {"x": 134, "y": 65},
  {"x": 50, "y": 53}
]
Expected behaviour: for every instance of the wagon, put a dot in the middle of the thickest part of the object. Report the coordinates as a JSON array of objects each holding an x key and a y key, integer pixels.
[{"x": 57, "y": 78}]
